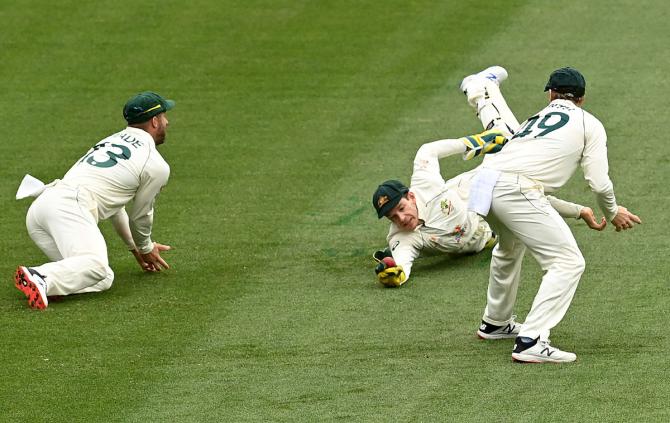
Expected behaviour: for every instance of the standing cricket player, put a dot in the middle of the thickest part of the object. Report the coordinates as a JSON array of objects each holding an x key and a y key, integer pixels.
[
  {"x": 63, "y": 220},
  {"x": 511, "y": 184}
]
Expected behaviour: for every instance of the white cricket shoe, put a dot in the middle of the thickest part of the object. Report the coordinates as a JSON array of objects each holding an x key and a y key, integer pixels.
[
  {"x": 537, "y": 351},
  {"x": 33, "y": 285},
  {"x": 474, "y": 86},
  {"x": 507, "y": 331}
]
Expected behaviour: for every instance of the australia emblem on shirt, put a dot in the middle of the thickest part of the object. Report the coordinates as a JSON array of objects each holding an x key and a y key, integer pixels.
[{"x": 446, "y": 206}]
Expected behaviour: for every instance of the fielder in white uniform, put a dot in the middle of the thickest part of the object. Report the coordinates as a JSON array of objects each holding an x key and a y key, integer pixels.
[
  {"x": 510, "y": 189},
  {"x": 431, "y": 216},
  {"x": 63, "y": 220}
]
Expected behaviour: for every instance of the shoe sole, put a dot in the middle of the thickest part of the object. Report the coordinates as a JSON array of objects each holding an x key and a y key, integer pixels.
[
  {"x": 485, "y": 336},
  {"x": 28, "y": 287},
  {"x": 518, "y": 358}
]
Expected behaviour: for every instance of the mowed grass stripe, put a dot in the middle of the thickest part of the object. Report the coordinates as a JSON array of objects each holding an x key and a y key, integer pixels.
[
  {"x": 95, "y": 344},
  {"x": 272, "y": 354},
  {"x": 566, "y": 381},
  {"x": 615, "y": 320}
]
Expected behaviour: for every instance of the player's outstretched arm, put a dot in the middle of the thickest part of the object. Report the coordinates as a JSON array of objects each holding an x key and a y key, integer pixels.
[
  {"x": 573, "y": 210},
  {"x": 388, "y": 272},
  {"x": 154, "y": 260},
  {"x": 121, "y": 224},
  {"x": 624, "y": 219}
]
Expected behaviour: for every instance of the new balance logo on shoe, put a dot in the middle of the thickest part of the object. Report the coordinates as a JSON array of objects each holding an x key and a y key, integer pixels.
[
  {"x": 489, "y": 331},
  {"x": 473, "y": 86},
  {"x": 528, "y": 350}
]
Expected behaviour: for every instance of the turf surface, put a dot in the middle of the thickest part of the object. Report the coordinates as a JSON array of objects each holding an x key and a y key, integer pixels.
[{"x": 288, "y": 115}]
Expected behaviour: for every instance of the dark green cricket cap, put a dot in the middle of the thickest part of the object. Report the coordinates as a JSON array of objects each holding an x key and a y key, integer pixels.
[
  {"x": 567, "y": 81},
  {"x": 387, "y": 196},
  {"x": 144, "y": 106}
]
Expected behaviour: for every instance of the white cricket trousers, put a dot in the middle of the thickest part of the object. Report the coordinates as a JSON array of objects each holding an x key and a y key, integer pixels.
[
  {"x": 523, "y": 218},
  {"x": 61, "y": 222}
]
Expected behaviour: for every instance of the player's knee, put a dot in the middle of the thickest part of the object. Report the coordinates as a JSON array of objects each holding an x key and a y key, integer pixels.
[
  {"x": 103, "y": 273},
  {"x": 508, "y": 249},
  {"x": 106, "y": 283},
  {"x": 581, "y": 264},
  {"x": 577, "y": 262},
  {"x": 570, "y": 262}
]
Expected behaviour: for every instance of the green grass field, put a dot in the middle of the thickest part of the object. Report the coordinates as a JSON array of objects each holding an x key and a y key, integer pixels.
[{"x": 289, "y": 113}]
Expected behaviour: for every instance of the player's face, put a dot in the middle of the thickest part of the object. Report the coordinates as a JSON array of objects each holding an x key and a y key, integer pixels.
[
  {"x": 161, "y": 123},
  {"x": 405, "y": 214}
]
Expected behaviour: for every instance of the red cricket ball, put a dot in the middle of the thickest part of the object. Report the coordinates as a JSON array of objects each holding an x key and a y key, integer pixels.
[{"x": 389, "y": 262}]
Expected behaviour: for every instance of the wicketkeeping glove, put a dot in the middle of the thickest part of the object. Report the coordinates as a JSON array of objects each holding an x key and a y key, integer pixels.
[
  {"x": 388, "y": 273},
  {"x": 488, "y": 142}
]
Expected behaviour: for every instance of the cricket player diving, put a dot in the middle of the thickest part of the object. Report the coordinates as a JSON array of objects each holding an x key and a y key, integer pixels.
[
  {"x": 431, "y": 216},
  {"x": 510, "y": 189},
  {"x": 63, "y": 219}
]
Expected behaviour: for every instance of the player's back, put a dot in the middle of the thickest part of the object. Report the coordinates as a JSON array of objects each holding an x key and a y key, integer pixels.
[
  {"x": 113, "y": 170},
  {"x": 548, "y": 146}
]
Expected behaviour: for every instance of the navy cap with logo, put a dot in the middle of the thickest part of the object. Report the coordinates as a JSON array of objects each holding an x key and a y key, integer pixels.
[
  {"x": 567, "y": 81},
  {"x": 387, "y": 196},
  {"x": 143, "y": 106}
]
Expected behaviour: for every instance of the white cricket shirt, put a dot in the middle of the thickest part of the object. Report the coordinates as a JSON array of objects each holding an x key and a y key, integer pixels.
[
  {"x": 122, "y": 167},
  {"x": 448, "y": 225},
  {"x": 550, "y": 145}
]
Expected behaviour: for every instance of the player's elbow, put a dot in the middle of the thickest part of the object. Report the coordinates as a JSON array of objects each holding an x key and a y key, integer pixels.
[
  {"x": 426, "y": 151},
  {"x": 601, "y": 187},
  {"x": 425, "y": 158}
]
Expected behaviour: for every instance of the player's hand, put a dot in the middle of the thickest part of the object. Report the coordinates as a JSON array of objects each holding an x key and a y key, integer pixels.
[
  {"x": 488, "y": 142},
  {"x": 587, "y": 215},
  {"x": 143, "y": 264},
  {"x": 392, "y": 276},
  {"x": 388, "y": 272},
  {"x": 154, "y": 260},
  {"x": 625, "y": 219}
]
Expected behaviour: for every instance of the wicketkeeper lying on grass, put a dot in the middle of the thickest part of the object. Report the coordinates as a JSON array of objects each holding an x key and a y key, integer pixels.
[{"x": 431, "y": 217}]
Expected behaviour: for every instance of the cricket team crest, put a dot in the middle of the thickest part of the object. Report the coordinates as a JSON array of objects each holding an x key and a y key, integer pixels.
[
  {"x": 382, "y": 200},
  {"x": 446, "y": 206}
]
